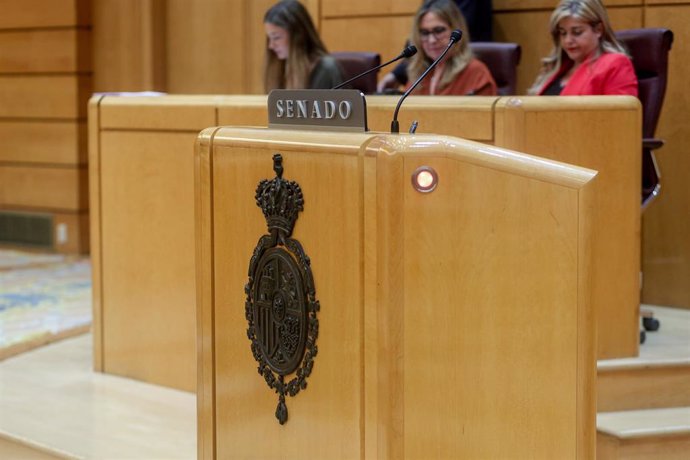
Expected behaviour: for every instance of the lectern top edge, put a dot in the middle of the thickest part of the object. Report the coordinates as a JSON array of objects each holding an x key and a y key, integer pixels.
[{"x": 426, "y": 145}]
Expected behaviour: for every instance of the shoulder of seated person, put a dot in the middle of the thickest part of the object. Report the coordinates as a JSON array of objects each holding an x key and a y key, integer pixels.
[
  {"x": 614, "y": 57},
  {"x": 327, "y": 58},
  {"x": 475, "y": 62}
]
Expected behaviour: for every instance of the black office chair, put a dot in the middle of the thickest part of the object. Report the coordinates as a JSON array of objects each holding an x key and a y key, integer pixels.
[
  {"x": 649, "y": 50},
  {"x": 502, "y": 60},
  {"x": 355, "y": 62}
]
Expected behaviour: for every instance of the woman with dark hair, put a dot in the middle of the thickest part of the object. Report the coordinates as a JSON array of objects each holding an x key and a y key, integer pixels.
[
  {"x": 296, "y": 58},
  {"x": 459, "y": 73},
  {"x": 586, "y": 58}
]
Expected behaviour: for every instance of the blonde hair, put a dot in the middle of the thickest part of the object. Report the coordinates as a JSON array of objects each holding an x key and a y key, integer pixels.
[
  {"x": 593, "y": 12},
  {"x": 305, "y": 49},
  {"x": 457, "y": 58}
]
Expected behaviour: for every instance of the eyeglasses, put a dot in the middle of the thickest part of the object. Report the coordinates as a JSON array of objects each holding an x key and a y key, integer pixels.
[{"x": 437, "y": 32}]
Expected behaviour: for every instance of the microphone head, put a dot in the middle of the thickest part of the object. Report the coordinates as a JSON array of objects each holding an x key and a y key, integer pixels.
[
  {"x": 455, "y": 35},
  {"x": 409, "y": 51}
]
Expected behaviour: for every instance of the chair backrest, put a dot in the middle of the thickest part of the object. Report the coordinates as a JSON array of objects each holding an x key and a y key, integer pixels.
[
  {"x": 355, "y": 62},
  {"x": 649, "y": 49},
  {"x": 502, "y": 60}
]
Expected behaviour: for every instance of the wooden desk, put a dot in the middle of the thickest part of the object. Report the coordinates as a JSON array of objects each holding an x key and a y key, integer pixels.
[{"x": 142, "y": 217}]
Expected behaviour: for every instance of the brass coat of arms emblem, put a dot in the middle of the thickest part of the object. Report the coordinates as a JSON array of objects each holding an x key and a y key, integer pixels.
[{"x": 281, "y": 306}]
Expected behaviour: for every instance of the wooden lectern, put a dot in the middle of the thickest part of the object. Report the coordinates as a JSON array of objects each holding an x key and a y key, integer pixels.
[{"x": 454, "y": 322}]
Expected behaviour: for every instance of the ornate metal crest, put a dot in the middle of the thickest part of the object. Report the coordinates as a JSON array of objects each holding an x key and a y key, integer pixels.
[{"x": 281, "y": 303}]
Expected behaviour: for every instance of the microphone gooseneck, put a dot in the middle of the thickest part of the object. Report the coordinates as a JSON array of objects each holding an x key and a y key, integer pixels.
[
  {"x": 455, "y": 37},
  {"x": 409, "y": 51}
]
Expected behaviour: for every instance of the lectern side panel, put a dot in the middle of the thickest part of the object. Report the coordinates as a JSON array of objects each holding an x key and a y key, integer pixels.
[
  {"x": 325, "y": 419},
  {"x": 490, "y": 314}
]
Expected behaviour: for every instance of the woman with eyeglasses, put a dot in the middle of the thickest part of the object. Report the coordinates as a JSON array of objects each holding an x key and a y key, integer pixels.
[
  {"x": 459, "y": 73},
  {"x": 478, "y": 17},
  {"x": 296, "y": 58},
  {"x": 586, "y": 58}
]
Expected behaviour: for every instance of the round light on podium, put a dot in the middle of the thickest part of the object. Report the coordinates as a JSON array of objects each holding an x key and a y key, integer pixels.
[{"x": 424, "y": 179}]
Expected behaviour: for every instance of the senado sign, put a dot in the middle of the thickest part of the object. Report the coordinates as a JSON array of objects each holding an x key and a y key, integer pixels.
[{"x": 339, "y": 110}]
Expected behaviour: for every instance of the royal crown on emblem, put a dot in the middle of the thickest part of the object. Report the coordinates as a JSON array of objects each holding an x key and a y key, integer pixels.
[{"x": 279, "y": 199}]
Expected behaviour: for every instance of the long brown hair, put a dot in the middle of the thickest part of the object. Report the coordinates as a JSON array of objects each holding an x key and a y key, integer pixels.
[
  {"x": 306, "y": 47},
  {"x": 593, "y": 12},
  {"x": 457, "y": 58}
]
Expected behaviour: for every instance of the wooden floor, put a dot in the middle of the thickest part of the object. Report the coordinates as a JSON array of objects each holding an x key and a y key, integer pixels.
[
  {"x": 53, "y": 406},
  {"x": 52, "y": 401}
]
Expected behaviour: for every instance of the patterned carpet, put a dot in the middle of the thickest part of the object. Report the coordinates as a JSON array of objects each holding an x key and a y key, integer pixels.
[{"x": 43, "y": 298}]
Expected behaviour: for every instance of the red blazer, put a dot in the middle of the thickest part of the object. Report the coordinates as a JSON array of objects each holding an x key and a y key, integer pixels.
[{"x": 609, "y": 74}]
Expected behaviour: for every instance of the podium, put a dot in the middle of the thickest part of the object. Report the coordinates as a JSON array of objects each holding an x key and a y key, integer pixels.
[{"x": 454, "y": 322}]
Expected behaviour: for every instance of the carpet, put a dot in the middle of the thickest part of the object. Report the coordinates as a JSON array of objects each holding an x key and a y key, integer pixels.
[{"x": 43, "y": 298}]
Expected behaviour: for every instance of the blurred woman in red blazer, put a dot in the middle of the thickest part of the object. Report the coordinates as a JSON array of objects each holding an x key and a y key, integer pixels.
[{"x": 586, "y": 58}]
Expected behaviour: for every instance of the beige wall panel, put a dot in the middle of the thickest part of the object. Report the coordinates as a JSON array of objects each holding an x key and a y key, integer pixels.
[
  {"x": 625, "y": 18},
  {"x": 129, "y": 44},
  {"x": 499, "y": 5},
  {"x": 383, "y": 35},
  {"x": 44, "y": 13},
  {"x": 245, "y": 405},
  {"x": 43, "y": 142},
  {"x": 535, "y": 125},
  {"x": 205, "y": 46},
  {"x": 59, "y": 96},
  {"x": 530, "y": 29},
  {"x": 45, "y": 51},
  {"x": 666, "y": 246},
  {"x": 44, "y": 188},
  {"x": 161, "y": 227},
  {"x": 367, "y": 7},
  {"x": 173, "y": 113}
]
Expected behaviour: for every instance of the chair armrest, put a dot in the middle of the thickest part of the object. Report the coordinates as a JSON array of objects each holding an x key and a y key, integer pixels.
[{"x": 652, "y": 144}]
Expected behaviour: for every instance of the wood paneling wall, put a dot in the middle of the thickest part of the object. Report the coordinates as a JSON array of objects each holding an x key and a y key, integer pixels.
[
  {"x": 45, "y": 81},
  {"x": 216, "y": 46},
  {"x": 129, "y": 43}
]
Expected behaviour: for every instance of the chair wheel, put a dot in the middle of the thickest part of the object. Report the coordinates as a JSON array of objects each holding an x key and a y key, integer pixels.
[
  {"x": 643, "y": 336},
  {"x": 650, "y": 324}
]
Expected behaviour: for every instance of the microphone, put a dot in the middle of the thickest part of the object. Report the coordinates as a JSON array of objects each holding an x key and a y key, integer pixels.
[
  {"x": 406, "y": 53},
  {"x": 455, "y": 37}
]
